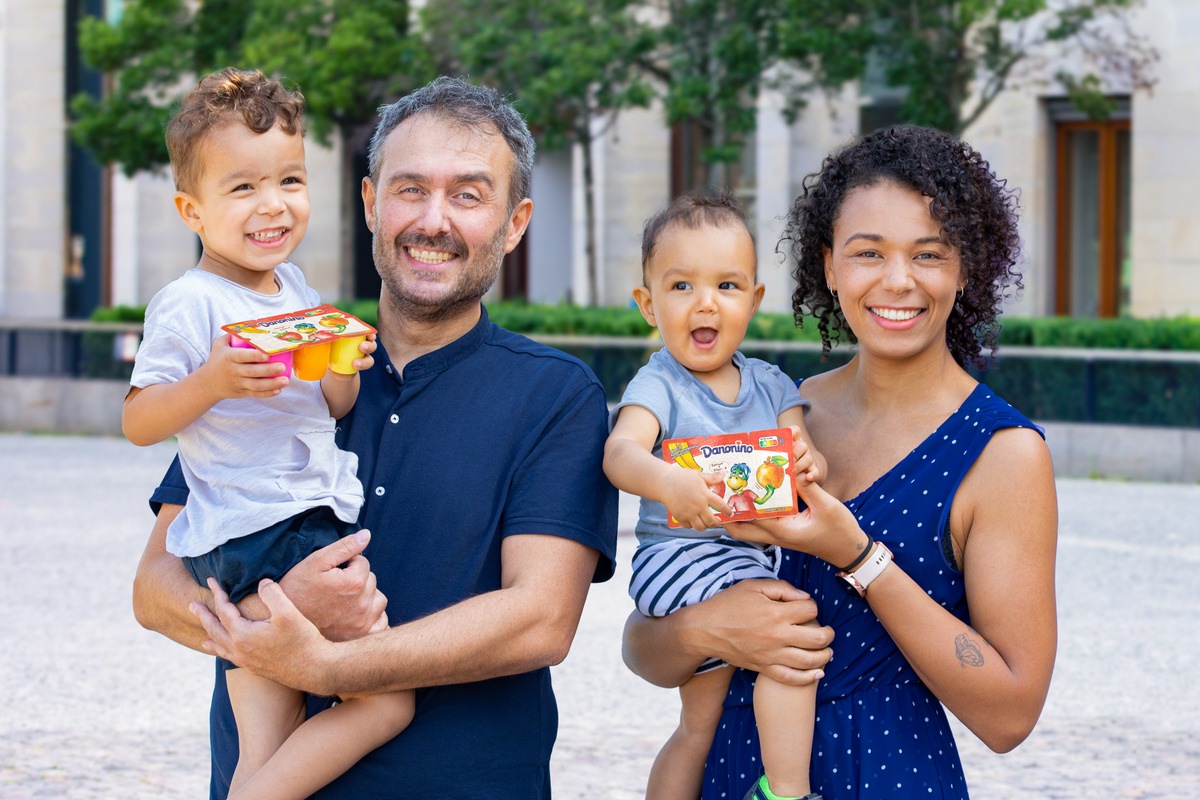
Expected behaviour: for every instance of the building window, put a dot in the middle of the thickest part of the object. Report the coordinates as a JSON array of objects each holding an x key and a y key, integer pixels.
[
  {"x": 1092, "y": 179},
  {"x": 690, "y": 171}
]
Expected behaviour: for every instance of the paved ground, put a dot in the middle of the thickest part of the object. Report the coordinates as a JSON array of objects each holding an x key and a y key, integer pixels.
[{"x": 1122, "y": 720}]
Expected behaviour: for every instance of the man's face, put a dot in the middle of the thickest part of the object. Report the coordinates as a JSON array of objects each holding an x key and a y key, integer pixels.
[{"x": 440, "y": 217}]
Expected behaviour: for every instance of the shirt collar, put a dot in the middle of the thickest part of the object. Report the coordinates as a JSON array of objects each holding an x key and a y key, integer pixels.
[{"x": 442, "y": 358}]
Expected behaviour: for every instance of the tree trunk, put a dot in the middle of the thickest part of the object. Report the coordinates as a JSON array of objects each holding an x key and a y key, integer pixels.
[{"x": 589, "y": 205}]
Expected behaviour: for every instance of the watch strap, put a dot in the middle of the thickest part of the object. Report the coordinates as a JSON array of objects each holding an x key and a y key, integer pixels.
[{"x": 871, "y": 569}]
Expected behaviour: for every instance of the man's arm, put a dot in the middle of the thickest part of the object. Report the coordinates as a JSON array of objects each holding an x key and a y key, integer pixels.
[
  {"x": 163, "y": 588},
  {"x": 527, "y": 624},
  {"x": 342, "y": 600}
]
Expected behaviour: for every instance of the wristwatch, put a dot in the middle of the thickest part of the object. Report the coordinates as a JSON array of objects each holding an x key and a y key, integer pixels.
[{"x": 871, "y": 569}]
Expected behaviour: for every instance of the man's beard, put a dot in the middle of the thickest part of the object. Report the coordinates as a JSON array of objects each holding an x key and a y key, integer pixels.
[{"x": 473, "y": 281}]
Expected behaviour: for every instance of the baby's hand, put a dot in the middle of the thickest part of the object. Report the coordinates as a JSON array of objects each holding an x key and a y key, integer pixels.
[
  {"x": 241, "y": 371},
  {"x": 804, "y": 462},
  {"x": 691, "y": 496}
]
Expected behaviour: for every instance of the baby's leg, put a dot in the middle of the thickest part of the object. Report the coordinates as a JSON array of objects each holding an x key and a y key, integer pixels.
[
  {"x": 266, "y": 714},
  {"x": 785, "y": 716},
  {"x": 678, "y": 769},
  {"x": 327, "y": 745}
]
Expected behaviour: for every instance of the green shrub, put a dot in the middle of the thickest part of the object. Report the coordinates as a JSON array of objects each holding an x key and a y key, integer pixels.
[{"x": 1123, "y": 333}]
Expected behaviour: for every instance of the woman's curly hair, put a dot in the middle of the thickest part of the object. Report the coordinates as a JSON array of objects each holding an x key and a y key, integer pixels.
[{"x": 976, "y": 211}]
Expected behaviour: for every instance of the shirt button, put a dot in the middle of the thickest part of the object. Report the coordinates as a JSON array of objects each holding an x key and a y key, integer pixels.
[
  {"x": 389, "y": 369},
  {"x": 395, "y": 418},
  {"x": 379, "y": 490}
]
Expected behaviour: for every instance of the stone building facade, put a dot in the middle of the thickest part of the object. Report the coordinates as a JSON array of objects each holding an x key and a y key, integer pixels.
[{"x": 52, "y": 266}]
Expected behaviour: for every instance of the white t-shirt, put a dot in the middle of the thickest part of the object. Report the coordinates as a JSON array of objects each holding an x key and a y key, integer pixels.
[{"x": 249, "y": 463}]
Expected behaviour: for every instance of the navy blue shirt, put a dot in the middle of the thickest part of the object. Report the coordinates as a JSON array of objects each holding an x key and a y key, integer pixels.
[{"x": 490, "y": 436}]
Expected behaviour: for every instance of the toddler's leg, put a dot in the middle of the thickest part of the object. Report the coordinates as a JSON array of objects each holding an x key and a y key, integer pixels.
[
  {"x": 329, "y": 744},
  {"x": 785, "y": 717},
  {"x": 678, "y": 769},
  {"x": 266, "y": 714}
]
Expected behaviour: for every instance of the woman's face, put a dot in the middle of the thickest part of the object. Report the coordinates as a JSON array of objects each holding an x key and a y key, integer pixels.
[{"x": 894, "y": 273}]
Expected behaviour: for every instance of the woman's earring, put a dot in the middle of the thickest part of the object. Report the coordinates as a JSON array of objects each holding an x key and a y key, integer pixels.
[
  {"x": 961, "y": 292},
  {"x": 832, "y": 291}
]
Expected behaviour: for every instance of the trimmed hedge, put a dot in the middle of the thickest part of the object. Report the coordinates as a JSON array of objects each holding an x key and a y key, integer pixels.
[{"x": 1123, "y": 333}]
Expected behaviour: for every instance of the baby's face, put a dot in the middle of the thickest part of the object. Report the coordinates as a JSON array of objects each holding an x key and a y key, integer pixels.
[{"x": 701, "y": 293}]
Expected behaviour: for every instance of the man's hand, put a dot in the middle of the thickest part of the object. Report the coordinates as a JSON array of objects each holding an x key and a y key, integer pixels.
[
  {"x": 767, "y": 626},
  {"x": 285, "y": 647},
  {"x": 335, "y": 589},
  {"x": 763, "y": 625}
]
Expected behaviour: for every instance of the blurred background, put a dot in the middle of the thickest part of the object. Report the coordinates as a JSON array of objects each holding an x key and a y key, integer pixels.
[{"x": 1089, "y": 108}]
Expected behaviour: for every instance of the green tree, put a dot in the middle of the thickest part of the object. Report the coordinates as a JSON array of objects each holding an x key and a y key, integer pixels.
[
  {"x": 571, "y": 67},
  {"x": 950, "y": 59},
  {"x": 346, "y": 56},
  {"x": 713, "y": 58},
  {"x": 953, "y": 58},
  {"x": 717, "y": 55}
]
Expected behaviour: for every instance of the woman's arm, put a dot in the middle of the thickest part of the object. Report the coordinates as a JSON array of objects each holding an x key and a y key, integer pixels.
[
  {"x": 756, "y": 624},
  {"x": 994, "y": 674}
]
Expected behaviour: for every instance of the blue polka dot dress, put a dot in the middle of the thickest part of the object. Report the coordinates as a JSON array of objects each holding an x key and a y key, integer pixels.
[{"x": 879, "y": 732}]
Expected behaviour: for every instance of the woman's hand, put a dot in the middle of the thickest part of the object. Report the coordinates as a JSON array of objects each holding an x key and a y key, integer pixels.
[{"x": 825, "y": 529}]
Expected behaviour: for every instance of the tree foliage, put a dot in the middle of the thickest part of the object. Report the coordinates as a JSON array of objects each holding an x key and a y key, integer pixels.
[
  {"x": 570, "y": 67},
  {"x": 951, "y": 59},
  {"x": 947, "y": 60},
  {"x": 347, "y": 56}
]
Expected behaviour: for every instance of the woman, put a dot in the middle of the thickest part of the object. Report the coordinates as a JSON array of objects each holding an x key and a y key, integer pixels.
[{"x": 939, "y": 509}]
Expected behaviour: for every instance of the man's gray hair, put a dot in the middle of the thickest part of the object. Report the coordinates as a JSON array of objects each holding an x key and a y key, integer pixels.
[{"x": 479, "y": 108}]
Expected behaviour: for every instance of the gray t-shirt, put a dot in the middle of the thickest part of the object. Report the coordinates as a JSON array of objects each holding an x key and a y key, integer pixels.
[
  {"x": 686, "y": 407},
  {"x": 249, "y": 463}
]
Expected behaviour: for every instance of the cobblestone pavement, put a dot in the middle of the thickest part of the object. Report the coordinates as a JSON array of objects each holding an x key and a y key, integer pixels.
[{"x": 1122, "y": 719}]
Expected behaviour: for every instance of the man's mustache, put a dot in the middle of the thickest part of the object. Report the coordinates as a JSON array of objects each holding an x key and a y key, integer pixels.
[{"x": 446, "y": 244}]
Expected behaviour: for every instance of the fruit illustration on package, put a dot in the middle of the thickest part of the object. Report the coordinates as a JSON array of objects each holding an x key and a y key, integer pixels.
[
  {"x": 681, "y": 453},
  {"x": 770, "y": 476}
]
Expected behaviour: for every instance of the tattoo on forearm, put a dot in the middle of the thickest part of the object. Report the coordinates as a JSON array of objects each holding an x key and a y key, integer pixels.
[{"x": 967, "y": 651}]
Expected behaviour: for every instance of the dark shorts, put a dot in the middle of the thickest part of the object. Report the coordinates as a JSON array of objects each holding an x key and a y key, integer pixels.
[{"x": 239, "y": 564}]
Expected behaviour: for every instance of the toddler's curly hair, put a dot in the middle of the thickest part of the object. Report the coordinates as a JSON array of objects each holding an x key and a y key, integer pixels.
[{"x": 228, "y": 96}]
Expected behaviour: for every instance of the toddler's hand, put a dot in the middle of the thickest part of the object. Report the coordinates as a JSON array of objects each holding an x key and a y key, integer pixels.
[
  {"x": 692, "y": 496},
  {"x": 241, "y": 371},
  {"x": 366, "y": 347}
]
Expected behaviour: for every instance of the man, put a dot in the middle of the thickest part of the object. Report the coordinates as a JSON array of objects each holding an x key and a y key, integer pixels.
[{"x": 480, "y": 454}]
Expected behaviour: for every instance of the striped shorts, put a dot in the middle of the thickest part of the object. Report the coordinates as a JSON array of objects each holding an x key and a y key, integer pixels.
[{"x": 675, "y": 573}]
